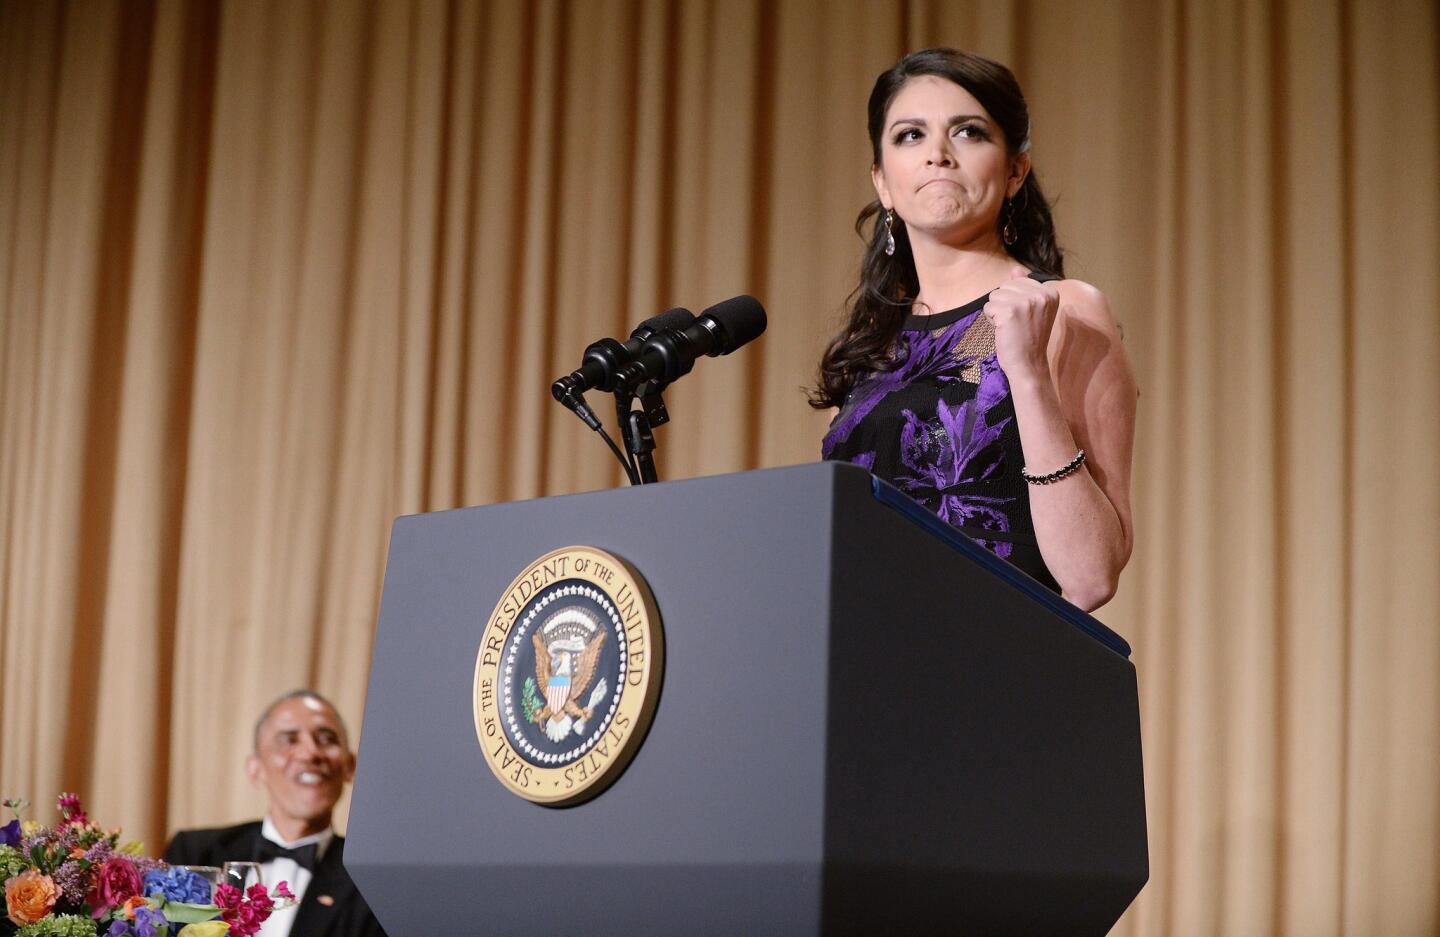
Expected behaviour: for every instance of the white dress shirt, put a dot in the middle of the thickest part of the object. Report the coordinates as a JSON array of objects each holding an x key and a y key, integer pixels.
[{"x": 291, "y": 872}]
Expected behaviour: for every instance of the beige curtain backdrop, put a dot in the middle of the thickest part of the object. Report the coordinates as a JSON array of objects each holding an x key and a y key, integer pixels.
[{"x": 272, "y": 273}]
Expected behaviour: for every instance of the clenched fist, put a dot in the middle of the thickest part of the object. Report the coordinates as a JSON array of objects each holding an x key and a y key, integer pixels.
[{"x": 1023, "y": 313}]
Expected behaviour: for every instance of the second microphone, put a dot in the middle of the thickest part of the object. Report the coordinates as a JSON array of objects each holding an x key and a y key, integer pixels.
[{"x": 670, "y": 353}]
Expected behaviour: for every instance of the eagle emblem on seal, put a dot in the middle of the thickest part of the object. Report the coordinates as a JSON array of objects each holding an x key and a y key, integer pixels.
[{"x": 567, "y": 655}]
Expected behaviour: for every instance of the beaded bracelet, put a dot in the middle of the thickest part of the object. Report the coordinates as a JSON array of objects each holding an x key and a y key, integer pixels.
[{"x": 1067, "y": 469}]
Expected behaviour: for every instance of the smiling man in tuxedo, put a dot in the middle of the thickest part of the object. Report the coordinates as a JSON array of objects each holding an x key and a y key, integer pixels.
[{"x": 302, "y": 760}]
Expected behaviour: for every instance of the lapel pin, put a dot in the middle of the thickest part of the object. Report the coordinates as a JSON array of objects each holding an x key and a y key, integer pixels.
[{"x": 326, "y": 900}]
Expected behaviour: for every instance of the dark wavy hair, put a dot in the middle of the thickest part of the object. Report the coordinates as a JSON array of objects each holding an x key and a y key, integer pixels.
[{"x": 888, "y": 284}]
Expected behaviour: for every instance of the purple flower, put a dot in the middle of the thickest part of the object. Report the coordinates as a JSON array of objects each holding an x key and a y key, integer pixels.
[
  {"x": 73, "y": 881},
  {"x": 99, "y": 853},
  {"x": 10, "y": 833},
  {"x": 150, "y": 923}
]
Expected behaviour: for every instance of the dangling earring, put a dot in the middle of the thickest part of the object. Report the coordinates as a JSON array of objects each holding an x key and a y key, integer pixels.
[
  {"x": 1008, "y": 233},
  {"x": 889, "y": 233}
]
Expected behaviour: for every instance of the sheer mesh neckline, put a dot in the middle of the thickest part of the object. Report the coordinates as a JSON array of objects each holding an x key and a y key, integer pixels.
[{"x": 920, "y": 322}]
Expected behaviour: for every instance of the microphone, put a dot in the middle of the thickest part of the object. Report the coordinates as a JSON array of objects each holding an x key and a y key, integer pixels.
[
  {"x": 670, "y": 353},
  {"x": 604, "y": 359}
]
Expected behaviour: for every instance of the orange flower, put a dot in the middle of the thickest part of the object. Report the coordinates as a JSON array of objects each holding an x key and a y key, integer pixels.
[
  {"x": 133, "y": 903},
  {"x": 30, "y": 896},
  {"x": 78, "y": 852}
]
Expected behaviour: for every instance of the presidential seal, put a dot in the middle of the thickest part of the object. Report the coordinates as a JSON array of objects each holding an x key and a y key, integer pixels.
[{"x": 567, "y": 675}]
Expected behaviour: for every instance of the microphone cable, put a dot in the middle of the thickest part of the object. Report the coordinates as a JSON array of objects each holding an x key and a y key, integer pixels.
[
  {"x": 574, "y": 401},
  {"x": 630, "y": 472}
]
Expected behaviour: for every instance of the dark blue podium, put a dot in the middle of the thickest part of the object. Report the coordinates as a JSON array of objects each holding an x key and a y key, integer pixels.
[{"x": 868, "y": 724}]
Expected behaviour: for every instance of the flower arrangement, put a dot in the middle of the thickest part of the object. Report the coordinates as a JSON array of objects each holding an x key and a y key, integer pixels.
[{"x": 76, "y": 880}]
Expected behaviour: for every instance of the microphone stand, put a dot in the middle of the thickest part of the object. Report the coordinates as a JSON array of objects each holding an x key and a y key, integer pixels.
[
  {"x": 623, "y": 401},
  {"x": 636, "y": 426},
  {"x": 642, "y": 443}
]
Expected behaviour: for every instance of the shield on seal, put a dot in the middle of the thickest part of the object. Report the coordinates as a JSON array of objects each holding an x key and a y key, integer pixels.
[{"x": 557, "y": 692}]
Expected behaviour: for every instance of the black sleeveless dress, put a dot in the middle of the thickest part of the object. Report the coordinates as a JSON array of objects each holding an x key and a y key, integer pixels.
[{"x": 941, "y": 427}]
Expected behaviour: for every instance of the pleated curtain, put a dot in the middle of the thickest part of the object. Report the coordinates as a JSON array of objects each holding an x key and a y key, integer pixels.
[{"x": 272, "y": 273}]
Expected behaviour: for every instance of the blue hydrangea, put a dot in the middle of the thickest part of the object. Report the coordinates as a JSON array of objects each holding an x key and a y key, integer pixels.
[{"x": 178, "y": 884}]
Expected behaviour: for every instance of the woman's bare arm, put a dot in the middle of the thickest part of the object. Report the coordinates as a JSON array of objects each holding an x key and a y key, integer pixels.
[{"x": 1080, "y": 393}]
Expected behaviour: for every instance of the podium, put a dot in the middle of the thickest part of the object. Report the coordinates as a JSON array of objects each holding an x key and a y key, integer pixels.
[{"x": 867, "y": 724}]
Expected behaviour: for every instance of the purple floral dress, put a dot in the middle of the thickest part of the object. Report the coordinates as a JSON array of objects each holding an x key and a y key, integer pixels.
[{"x": 941, "y": 428}]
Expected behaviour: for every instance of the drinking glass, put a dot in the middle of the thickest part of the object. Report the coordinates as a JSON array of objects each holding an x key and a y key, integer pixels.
[{"x": 242, "y": 875}]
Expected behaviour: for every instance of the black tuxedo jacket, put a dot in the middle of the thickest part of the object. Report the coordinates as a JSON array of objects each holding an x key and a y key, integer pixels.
[{"x": 346, "y": 916}]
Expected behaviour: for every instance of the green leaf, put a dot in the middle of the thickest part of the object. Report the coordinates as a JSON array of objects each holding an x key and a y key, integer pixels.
[
  {"x": 178, "y": 912},
  {"x": 530, "y": 699}
]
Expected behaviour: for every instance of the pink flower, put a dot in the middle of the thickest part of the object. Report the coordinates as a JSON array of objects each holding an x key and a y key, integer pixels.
[
  {"x": 118, "y": 880},
  {"x": 283, "y": 890},
  {"x": 260, "y": 899},
  {"x": 244, "y": 913},
  {"x": 70, "y": 809},
  {"x": 227, "y": 897}
]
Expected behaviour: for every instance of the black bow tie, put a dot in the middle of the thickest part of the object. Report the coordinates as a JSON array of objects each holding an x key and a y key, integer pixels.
[{"x": 303, "y": 856}]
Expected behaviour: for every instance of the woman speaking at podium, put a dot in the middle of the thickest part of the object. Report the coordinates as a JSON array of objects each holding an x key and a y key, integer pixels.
[{"x": 970, "y": 373}]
